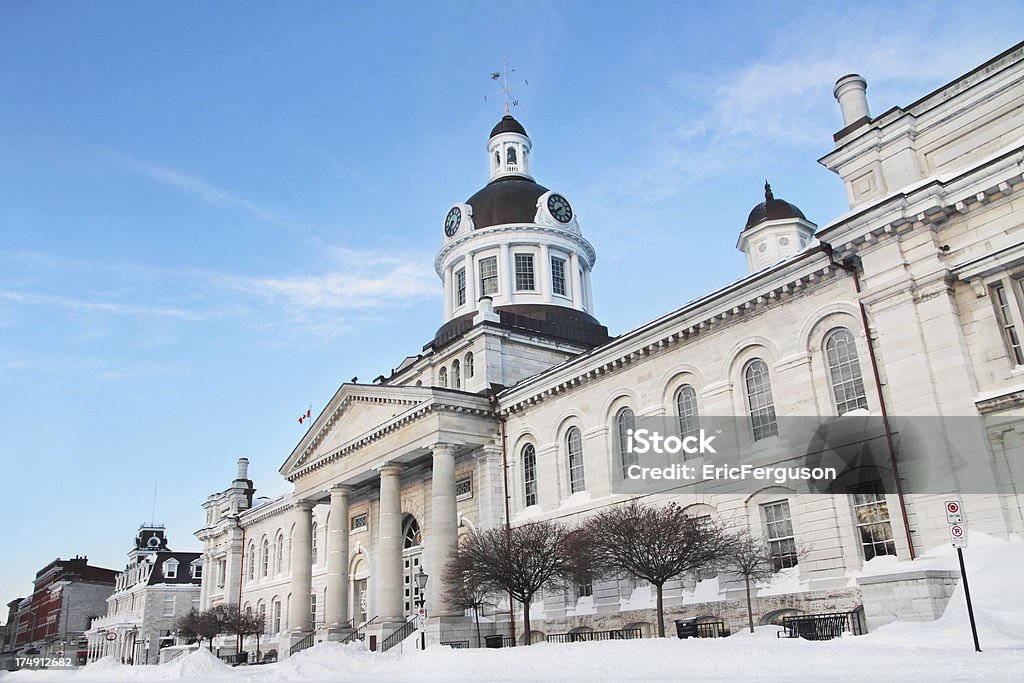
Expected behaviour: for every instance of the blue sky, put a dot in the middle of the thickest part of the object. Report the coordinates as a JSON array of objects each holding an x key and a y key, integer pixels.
[{"x": 215, "y": 213}]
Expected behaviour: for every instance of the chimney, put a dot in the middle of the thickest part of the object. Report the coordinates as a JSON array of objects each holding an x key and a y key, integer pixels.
[
  {"x": 852, "y": 92},
  {"x": 243, "y": 469}
]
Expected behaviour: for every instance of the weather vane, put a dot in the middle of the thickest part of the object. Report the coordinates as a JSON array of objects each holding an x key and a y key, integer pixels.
[{"x": 506, "y": 89}]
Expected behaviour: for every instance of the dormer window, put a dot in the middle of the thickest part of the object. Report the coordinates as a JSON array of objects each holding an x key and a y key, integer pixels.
[
  {"x": 171, "y": 569},
  {"x": 197, "y": 569}
]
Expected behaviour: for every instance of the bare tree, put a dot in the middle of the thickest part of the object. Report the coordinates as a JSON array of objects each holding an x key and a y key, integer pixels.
[
  {"x": 205, "y": 625},
  {"x": 240, "y": 623},
  {"x": 465, "y": 589},
  {"x": 654, "y": 543},
  {"x": 750, "y": 558},
  {"x": 518, "y": 560}
]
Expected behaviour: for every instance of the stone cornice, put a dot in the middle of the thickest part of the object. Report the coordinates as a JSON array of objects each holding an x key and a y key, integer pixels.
[
  {"x": 1013, "y": 398},
  {"x": 722, "y": 308}
]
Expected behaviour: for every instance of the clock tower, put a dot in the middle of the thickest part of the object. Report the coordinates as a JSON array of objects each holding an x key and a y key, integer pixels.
[{"x": 517, "y": 245}]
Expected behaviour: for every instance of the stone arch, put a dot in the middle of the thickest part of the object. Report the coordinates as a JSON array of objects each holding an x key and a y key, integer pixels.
[
  {"x": 646, "y": 628},
  {"x": 623, "y": 397},
  {"x": 535, "y": 637},
  {"x": 675, "y": 378},
  {"x": 829, "y": 316},
  {"x": 775, "y": 617}
]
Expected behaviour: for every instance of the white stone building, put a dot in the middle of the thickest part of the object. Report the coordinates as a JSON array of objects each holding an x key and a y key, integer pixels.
[
  {"x": 157, "y": 588},
  {"x": 907, "y": 305}
]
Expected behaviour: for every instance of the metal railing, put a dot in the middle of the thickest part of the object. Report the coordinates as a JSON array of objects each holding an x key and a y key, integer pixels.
[
  {"x": 821, "y": 626},
  {"x": 398, "y": 636},
  {"x": 359, "y": 633},
  {"x": 580, "y": 636},
  {"x": 306, "y": 642},
  {"x": 457, "y": 644}
]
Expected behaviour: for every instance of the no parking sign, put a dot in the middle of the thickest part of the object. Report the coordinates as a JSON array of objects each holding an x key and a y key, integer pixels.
[
  {"x": 958, "y": 536},
  {"x": 953, "y": 513}
]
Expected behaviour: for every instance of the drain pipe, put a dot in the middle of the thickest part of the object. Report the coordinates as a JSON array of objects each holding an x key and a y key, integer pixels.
[
  {"x": 508, "y": 513},
  {"x": 852, "y": 270}
]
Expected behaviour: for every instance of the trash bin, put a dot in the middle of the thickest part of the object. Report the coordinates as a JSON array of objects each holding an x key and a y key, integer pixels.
[
  {"x": 493, "y": 641},
  {"x": 686, "y": 628}
]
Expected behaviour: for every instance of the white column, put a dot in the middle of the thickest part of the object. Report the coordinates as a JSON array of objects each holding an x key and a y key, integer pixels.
[
  {"x": 544, "y": 271},
  {"x": 389, "y": 546},
  {"x": 471, "y": 280},
  {"x": 302, "y": 568},
  {"x": 336, "y": 610},
  {"x": 444, "y": 532},
  {"x": 506, "y": 273},
  {"x": 577, "y": 281},
  {"x": 448, "y": 295}
]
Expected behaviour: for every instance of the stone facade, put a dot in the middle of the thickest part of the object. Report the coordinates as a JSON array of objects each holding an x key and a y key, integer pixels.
[{"x": 514, "y": 408}]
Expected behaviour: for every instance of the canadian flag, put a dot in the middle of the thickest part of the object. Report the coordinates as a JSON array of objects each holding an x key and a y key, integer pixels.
[{"x": 302, "y": 418}]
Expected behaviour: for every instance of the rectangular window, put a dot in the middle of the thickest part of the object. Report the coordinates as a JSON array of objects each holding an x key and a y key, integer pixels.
[
  {"x": 871, "y": 512},
  {"x": 275, "y": 623},
  {"x": 558, "y": 276},
  {"x": 195, "y": 604},
  {"x": 530, "y": 476},
  {"x": 169, "y": 606},
  {"x": 222, "y": 571},
  {"x": 197, "y": 571},
  {"x": 524, "y": 272},
  {"x": 585, "y": 588},
  {"x": 460, "y": 287},
  {"x": 1004, "y": 312},
  {"x": 312, "y": 608},
  {"x": 464, "y": 488},
  {"x": 489, "y": 276},
  {"x": 779, "y": 534},
  {"x": 359, "y": 522}
]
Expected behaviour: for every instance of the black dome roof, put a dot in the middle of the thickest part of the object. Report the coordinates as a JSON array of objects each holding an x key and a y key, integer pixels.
[
  {"x": 772, "y": 209},
  {"x": 506, "y": 200},
  {"x": 507, "y": 125}
]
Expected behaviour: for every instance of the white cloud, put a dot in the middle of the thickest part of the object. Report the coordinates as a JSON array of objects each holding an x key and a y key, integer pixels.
[{"x": 73, "y": 304}]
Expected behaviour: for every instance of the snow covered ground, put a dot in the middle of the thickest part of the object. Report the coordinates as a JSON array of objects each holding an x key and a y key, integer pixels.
[{"x": 897, "y": 653}]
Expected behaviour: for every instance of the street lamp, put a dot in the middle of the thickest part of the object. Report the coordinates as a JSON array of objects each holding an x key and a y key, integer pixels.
[{"x": 421, "y": 583}]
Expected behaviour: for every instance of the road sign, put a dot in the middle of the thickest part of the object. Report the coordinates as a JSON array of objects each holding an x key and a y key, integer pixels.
[
  {"x": 953, "y": 513},
  {"x": 958, "y": 536}
]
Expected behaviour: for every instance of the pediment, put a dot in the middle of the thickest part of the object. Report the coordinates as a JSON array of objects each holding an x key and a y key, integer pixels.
[{"x": 355, "y": 409}]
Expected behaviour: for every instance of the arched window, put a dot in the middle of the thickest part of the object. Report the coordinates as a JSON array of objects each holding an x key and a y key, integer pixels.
[
  {"x": 686, "y": 409},
  {"x": 574, "y": 449},
  {"x": 530, "y": 473},
  {"x": 266, "y": 557},
  {"x": 280, "y": 553},
  {"x": 759, "y": 400},
  {"x": 844, "y": 371},
  {"x": 252, "y": 561},
  {"x": 442, "y": 377},
  {"x": 510, "y": 156},
  {"x": 411, "y": 532},
  {"x": 313, "y": 544},
  {"x": 625, "y": 423},
  {"x": 469, "y": 365},
  {"x": 497, "y": 158},
  {"x": 456, "y": 375}
]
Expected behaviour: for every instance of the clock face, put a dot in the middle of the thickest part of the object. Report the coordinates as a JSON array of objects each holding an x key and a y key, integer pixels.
[
  {"x": 559, "y": 208},
  {"x": 452, "y": 220}
]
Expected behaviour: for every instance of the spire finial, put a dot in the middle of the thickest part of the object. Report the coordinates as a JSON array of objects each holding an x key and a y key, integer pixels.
[
  {"x": 506, "y": 89},
  {"x": 768, "y": 196}
]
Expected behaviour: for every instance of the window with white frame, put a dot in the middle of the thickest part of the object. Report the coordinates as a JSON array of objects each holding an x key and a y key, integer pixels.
[
  {"x": 585, "y": 586},
  {"x": 759, "y": 400},
  {"x": 686, "y": 410},
  {"x": 460, "y": 287},
  {"x": 313, "y": 547},
  {"x": 524, "y": 273},
  {"x": 195, "y": 603},
  {"x": 844, "y": 371},
  {"x": 168, "y": 605},
  {"x": 574, "y": 449},
  {"x": 558, "y": 276},
  {"x": 197, "y": 569},
  {"x": 464, "y": 488},
  {"x": 171, "y": 569},
  {"x": 1008, "y": 315},
  {"x": 222, "y": 572},
  {"x": 266, "y": 558},
  {"x": 470, "y": 370},
  {"x": 456, "y": 374},
  {"x": 779, "y": 534},
  {"x": 530, "y": 474},
  {"x": 442, "y": 377},
  {"x": 312, "y": 608},
  {"x": 871, "y": 513},
  {"x": 489, "y": 275},
  {"x": 276, "y": 622},
  {"x": 280, "y": 553},
  {"x": 252, "y": 561},
  {"x": 625, "y": 423}
]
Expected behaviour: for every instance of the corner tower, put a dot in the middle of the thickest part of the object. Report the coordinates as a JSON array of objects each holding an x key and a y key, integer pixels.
[
  {"x": 515, "y": 244},
  {"x": 775, "y": 230}
]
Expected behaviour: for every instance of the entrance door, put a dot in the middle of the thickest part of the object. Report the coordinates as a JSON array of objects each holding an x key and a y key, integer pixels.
[{"x": 411, "y": 556}]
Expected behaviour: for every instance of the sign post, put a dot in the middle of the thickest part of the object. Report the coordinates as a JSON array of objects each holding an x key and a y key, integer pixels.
[{"x": 958, "y": 537}]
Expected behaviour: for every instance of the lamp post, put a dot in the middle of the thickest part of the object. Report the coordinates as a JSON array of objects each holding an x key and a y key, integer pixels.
[{"x": 421, "y": 583}]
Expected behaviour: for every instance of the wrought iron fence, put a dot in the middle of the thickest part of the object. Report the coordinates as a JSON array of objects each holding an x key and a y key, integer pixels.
[
  {"x": 398, "y": 636},
  {"x": 457, "y": 644},
  {"x": 821, "y": 626},
  {"x": 580, "y": 636}
]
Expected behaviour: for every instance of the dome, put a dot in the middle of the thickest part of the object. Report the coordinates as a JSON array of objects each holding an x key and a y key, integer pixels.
[
  {"x": 508, "y": 199},
  {"x": 772, "y": 209},
  {"x": 508, "y": 125}
]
